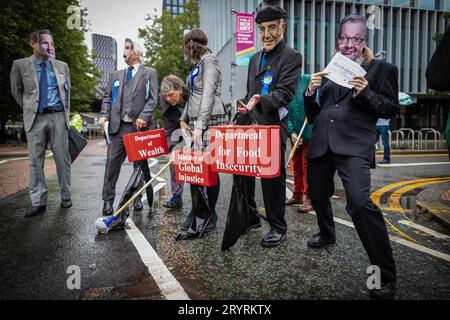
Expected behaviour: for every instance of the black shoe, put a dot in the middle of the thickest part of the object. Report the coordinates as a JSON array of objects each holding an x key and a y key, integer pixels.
[
  {"x": 66, "y": 204},
  {"x": 173, "y": 203},
  {"x": 318, "y": 241},
  {"x": 384, "y": 161},
  {"x": 138, "y": 205},
  {"x": 386, "y": 292},
  {"x": 36, "y": 210},
  {"x": 187, "y": 223},
  {"x": 273, "y": 238},
  {"x": 108, "y": 208}
]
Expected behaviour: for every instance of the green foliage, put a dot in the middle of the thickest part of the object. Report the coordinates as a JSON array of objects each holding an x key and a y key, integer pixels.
[
  {"x": 17, "y": 20},
  {"x": 163, "y": 40}
]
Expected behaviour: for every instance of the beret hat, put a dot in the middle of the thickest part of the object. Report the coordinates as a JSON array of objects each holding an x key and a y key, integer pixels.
[{"x": 270, "y": 13}]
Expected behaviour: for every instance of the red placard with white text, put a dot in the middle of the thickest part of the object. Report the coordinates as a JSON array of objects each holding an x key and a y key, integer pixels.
[
  {"x": 145, "y": 144},
  {"x": 246, "y": 150},
  {"x": 194, "y": 167}
]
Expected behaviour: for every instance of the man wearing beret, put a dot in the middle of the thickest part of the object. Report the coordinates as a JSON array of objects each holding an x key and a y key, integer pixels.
[{"x": 272, "y": 79}]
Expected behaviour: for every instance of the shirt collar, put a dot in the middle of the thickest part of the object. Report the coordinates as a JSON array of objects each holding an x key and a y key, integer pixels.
[
  {"x": 135, "y": 66},
  {"x": 38, "y": 61}
]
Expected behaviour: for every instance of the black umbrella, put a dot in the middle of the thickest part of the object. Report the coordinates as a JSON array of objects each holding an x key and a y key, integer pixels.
[
  {"x": 202, "y": 213},
  {"x": 76, "y": 143}
]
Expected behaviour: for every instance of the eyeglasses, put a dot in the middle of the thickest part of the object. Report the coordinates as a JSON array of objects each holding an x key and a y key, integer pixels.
[
  {"x": 272, "y": 28},
  {"x": 345, "y": 39}
]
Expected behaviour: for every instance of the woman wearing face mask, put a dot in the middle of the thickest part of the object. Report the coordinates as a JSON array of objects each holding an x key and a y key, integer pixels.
[
  {"x": 204, "y": 109},
  {"x": 173, "y": 98}
]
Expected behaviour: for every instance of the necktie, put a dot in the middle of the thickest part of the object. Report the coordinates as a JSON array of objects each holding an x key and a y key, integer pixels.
[
  {"x": 129, "y": 73},
  {"x": 263, "y": 60},
  {"x": 43, "y": 88}
]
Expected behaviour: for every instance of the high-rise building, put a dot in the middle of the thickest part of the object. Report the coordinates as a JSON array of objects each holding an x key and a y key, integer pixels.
[
  {"x": 401, "y": 32},
  {"x": 174, "y": 7},
  {"x": 104, "y": 49}
]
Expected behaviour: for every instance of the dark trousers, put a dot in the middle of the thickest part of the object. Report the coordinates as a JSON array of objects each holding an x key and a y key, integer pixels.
[
  {"x": 274, "y": 195},
  {"x": 115, "y": 157},
  {"x": 366, "y": 216}
]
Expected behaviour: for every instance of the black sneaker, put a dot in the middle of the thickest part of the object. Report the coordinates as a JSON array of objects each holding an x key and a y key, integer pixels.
[{"x": 173, "y": 203}]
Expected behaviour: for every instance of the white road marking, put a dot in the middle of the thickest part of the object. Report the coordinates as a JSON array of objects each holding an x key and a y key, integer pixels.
[
  {"x": 411, "y": 164},
  {"x": 22, "y": 158},
  {"x": 404, "y": 242},
  {"x": 167, "y": 283},
  {"x": 169, "y": 286},
  {"x": 102, "y": 143},
  {"x": 424, "y": 229}
]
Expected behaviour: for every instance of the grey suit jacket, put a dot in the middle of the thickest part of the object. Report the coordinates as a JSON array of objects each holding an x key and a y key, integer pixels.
[
  {"x": 204, "y": 84},
  {"x": 145, "y": 91},
  {"x": 25, "y": 87}
]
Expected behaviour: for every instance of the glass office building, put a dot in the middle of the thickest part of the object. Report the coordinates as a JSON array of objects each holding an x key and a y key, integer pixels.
[
  {"x": 104, "y": 49},
  {"x": 401, "y": 32}
]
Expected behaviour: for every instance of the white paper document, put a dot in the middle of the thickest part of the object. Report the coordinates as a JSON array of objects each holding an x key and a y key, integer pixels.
[
  {"x": 106, "y": 128},
  {"x": 341, "y": 70}
]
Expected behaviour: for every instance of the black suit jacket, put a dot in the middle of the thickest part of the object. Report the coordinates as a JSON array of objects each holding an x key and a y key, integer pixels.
[
  {"x": 346, "y": 123},
  {"x": 285, "y": 65}
]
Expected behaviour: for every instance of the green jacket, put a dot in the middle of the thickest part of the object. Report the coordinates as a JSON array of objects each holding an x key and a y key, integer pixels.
[{"x": 297, "y": 110}]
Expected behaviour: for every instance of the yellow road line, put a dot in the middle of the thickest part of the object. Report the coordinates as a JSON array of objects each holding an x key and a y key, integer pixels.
[
  {"x": 376, "y": 195},
  {"x": 394, "y": 199},
  {"x": 416, "y": 155}
]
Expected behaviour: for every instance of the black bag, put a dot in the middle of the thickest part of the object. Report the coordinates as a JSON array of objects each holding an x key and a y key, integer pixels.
[{"x": 76, "y": 143}]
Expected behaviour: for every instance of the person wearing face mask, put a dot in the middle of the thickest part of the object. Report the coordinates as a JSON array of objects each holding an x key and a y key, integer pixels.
[
  {"x": 173, "y": 98},
  {"x": 271, "y": 83},
  {"x": 344, "y": 133},
  {"x": 204, "y": 109},
  {"x": 128, "y": 105},
  {"x": 41, "y": 86}
]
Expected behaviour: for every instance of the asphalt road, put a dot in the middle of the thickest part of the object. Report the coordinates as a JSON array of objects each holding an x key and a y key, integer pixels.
[{"x": 37, "y": 252}]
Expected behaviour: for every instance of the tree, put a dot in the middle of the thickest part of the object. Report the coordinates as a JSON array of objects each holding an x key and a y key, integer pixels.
[
  {"x": 17, "y": 20},
  {"x": 163, "y": 40}
]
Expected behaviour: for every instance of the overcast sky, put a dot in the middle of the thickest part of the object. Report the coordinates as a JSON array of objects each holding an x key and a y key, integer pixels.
[{"x": 119, "y": 19}]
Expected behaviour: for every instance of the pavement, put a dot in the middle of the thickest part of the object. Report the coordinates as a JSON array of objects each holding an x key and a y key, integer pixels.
[{"x": 146, "y": 263}]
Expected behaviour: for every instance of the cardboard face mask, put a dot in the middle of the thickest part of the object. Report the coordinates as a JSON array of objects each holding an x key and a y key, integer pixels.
[{"x": 46, "y": 45}]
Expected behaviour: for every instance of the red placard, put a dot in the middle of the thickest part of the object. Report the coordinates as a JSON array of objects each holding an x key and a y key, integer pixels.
[
  {"x": 246, "y": 150},
  {"x": 145, "y": 144},
  {"x": 194, "y": 167}
]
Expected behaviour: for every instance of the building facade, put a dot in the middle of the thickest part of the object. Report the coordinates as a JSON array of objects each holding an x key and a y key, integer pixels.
[
  {"x": 173, "y": 7},
  {"x": 401, "y": 32},
  {"x": 104, "y": 50}
]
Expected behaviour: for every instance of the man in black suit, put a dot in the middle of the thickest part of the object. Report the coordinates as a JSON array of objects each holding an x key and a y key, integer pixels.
[
  {"x": 272, "y": 79},
  {"x": 344, "y": 133}
]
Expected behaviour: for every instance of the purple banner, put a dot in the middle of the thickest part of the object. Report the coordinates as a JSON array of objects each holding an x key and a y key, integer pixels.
[{"x": 245, "y": 38}]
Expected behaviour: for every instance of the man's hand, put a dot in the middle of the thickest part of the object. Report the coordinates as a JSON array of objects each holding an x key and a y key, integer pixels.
[
  {"x": 141, "y": 124},
  {"x": 101, "y": 121},
  {"x": 253, "y": 102},
  {"x": 316, "y": 81},
  {"x": 360, "y": 83},
  {"x": 294, "y": 138}
]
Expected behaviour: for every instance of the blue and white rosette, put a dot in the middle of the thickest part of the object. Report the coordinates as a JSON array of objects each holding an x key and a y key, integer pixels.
[
  {"x": 194, "y": 73},
  {"x": 116, "y": 84},
  {"x": 267, "y": 81}
]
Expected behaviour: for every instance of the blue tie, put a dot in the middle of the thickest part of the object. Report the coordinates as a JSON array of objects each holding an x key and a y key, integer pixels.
[
  {"x": 43, "y": 88},
  {"x": 263, "y": 61},
  {"x": 129, "y": 75}
]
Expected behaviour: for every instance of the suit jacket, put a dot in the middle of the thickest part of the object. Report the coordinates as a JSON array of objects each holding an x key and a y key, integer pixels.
[
  {"x": 204, "y": 87},
  {"x": 144, "y": 97},
  {"x": 346, "y": 123},
  {"x": 285, "y": 65},
  {"x": 25, "y": 87}
]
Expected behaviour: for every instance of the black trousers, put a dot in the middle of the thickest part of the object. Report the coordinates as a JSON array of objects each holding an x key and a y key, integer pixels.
[
  {"x": 274, "y": 195},
  {"x": 115, "y": 157},
  {"x": 366, "y": 216}
]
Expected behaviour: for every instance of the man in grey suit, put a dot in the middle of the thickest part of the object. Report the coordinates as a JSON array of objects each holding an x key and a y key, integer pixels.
[
  {"x": 41, "y": 86},
  {"x": 128, "y": 106}
]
